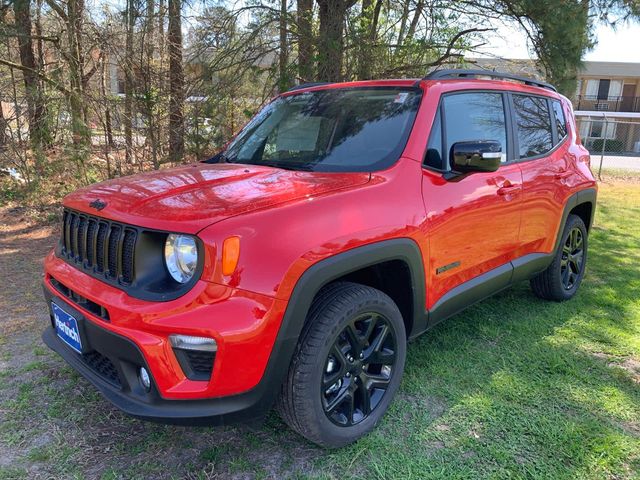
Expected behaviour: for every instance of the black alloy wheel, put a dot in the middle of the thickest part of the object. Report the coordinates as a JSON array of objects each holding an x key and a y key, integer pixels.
[
  {"x": 572, "y": 258},
  {"x": 561, "y": 279},
  {"x": 347, "y": 366},
  {"x": 358, "y": 369}
]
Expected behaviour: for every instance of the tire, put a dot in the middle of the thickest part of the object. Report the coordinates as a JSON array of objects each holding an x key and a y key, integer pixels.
[
  {"x": 344, "y": 319},
  {"x": 561, "y": 280}
]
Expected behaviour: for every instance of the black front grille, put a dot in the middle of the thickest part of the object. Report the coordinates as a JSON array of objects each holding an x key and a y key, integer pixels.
[
  {"x": 99, "y": 245},
  {"x": 103, "y": 367},
  {"x": 93, "y": 307}
]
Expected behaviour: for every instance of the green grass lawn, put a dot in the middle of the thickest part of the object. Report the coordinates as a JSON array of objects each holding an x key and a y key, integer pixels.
[{"x": 514, "y": 387}]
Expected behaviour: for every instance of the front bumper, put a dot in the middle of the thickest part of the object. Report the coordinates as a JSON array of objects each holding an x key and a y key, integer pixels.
[
  {"x": 133, "y": 400},
  {"x": 252, "y": 358}
]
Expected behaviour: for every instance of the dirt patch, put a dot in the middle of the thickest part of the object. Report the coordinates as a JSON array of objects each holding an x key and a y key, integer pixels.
[{"x": 628, "y": 364}]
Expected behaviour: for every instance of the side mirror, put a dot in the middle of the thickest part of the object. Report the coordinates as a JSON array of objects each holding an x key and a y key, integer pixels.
[{"x": 476, "y": 156}]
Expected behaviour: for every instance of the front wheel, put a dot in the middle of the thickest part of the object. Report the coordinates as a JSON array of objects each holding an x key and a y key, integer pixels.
[
  {"x": 560, "y": 281},
  {"x": 347, "y": 366}
]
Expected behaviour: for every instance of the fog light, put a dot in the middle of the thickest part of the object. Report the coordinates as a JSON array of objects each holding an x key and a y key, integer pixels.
[
  {"x": 189, "y": 342},
  {"x": 145, "y": 379}
]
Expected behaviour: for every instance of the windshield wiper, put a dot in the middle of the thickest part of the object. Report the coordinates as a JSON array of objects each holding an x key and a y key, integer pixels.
[
  {"x": 219, "y": 158},
  {"x": 304, "y": 167}
]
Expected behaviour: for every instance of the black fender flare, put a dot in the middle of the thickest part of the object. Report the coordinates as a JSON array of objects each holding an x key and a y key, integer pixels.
[
  {"x": 587, "y": 195},
  {"x": 323, "y": 273},
  {"x": 332, "y": 268}
]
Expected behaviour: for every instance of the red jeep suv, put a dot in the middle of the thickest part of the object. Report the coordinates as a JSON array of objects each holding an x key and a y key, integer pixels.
[{"x": 293, "y": 267}]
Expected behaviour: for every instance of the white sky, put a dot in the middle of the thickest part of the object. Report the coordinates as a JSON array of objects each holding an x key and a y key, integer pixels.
[{"x": 620, "y": 45}]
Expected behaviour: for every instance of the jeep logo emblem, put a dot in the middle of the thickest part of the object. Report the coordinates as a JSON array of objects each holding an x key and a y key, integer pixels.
[{"x": 98, "y": 204}]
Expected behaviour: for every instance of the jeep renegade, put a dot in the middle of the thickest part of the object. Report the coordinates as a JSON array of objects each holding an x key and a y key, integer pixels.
[{"x": 292, "y": 268}]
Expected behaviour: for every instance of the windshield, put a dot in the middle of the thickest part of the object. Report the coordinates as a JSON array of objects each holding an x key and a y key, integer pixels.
[{"x": 337, "y": 130}]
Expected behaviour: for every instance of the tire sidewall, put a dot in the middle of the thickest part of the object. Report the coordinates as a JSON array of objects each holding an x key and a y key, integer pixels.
[
  {"x": 572, "y": 222},
  {"x": 333, "y": 434}
]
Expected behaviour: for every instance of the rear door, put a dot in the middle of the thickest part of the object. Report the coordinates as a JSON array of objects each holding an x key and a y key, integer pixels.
[
  {"x": 473, "y": 221},
  {"x": 543, "y": 150}
]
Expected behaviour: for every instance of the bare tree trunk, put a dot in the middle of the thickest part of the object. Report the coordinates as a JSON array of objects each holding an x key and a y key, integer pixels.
[
  {"x": 108, "y": 132},
  {"x": 108, "y": 127},
  {"x": 176, "y": 82},
  {"x": 128, "y": 85},
  {"x": 283, "y": 57},
  {"x": 330, "y": 42},
  {"x": 403, "y": 21},
  {"x": 150, "y": 98},
  {"x": 33, "y": 89},
  {"x": 3, "y": 128},
  {"x": 161, "y": 81},
  {"x": 80, "y": 132},
  {"x": 416, "y": 19},
  {"x": 305, "y": 40},
  {"x": 364, "y": 49}
]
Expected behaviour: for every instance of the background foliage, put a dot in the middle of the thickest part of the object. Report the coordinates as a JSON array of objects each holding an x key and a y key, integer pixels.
[{"x": 96, "y": 90}]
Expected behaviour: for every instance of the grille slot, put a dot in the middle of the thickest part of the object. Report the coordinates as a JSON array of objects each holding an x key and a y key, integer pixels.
[
  {"x": 103, "y": 367},
  {"x": 196, "y": 364},
  {"x": 128, "y": 245},
  {"x": 91, "y": 240},
  {"x": 114, "y": 240},
  {"x": 93, "y": 307},
  {"x": 201, "y": 362},
  {"x": 82, "y": 223},
  {"x": 100, "y": 246},
  {"x": 75, "y": 221},
  {"x": 100, "y": 241}
]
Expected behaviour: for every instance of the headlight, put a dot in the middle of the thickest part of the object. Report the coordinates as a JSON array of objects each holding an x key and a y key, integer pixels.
[{"x": 181, "y": 257}]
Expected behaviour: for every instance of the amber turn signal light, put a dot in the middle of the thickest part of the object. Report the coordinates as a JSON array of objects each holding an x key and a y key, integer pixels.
[{"x": 230, "y": 255}]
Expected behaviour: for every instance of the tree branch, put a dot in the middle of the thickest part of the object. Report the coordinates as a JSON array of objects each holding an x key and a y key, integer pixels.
[
  {"x": 57, "y": 8},
  {"x": 40, "y": 75},
  {"x": 452, "y": 44}
]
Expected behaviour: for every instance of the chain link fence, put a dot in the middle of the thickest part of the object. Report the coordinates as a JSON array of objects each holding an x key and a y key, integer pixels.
[{"x": 614, "y": 142}]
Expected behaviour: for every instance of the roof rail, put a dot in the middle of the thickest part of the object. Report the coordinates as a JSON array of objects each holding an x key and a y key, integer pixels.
[
  {"x": 462, "y": 73},
  {"x": 307, "y": 85}
]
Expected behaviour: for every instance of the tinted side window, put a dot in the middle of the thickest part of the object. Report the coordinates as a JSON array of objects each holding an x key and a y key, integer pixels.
[
  {"x": 533, "y": 125},
  {"x": 433, "y": 157},
  {"x": 474, "y": 116},
  {"x": 561, "y": 123}
]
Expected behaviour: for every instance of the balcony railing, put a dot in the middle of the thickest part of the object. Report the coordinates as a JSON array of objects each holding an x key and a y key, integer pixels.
[{"x": 609, "y": 104}]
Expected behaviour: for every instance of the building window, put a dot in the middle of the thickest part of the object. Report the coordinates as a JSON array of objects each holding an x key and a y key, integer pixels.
[
  {"x": 603, "y": 89},
  {"x": 602, "y": 129}
]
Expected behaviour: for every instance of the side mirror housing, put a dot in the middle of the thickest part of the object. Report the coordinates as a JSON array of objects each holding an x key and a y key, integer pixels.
[{"x": 476, "y": 156}]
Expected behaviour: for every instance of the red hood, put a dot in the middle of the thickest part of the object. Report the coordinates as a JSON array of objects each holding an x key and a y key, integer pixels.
[{"x": 187, "y": 199}]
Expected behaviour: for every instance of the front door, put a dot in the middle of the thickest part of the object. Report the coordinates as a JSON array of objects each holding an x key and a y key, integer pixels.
[{"x": 472, "y": 221}]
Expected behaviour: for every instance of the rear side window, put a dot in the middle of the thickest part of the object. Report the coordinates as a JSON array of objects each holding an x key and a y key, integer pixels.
[
  {"x": 533, "y": 124},
  {"x": 474, "y": 116},
  {"x": 558, "y": 116}
]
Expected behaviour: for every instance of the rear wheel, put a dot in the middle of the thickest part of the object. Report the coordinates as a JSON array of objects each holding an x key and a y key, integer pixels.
[
  {"x": 347, "y": 367},
  {"x": 560, "y": 281}
]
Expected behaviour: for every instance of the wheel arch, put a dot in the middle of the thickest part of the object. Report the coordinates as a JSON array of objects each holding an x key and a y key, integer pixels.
[
  {"x": 581, "y": 203},
  {"x": 393, "y": 266}
]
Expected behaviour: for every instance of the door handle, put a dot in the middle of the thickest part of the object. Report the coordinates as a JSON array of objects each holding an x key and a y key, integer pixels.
[{"x": 508, "y": 188}]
